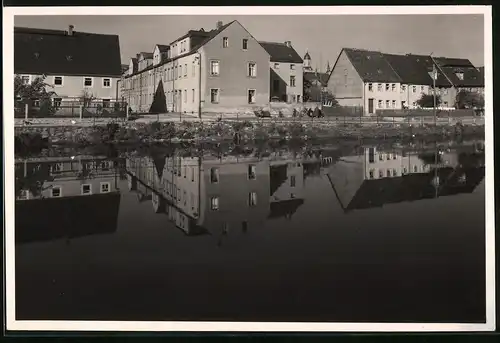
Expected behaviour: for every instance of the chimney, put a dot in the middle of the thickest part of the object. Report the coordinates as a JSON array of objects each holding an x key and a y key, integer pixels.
[
  {"x": 219, "y": 25},
  {"x": 288, "y": 44},
  {"x": 70, "y": 30}
]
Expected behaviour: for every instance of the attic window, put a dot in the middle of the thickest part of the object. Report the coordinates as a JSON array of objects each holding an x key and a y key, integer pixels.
[
  {"x": 37, "y": 55},
  {"x": 379, "y": 71},
  {"x": 460, "y": 75},
  {"x": 69, "y": 58},
  {"x": 368, "y": 57}
]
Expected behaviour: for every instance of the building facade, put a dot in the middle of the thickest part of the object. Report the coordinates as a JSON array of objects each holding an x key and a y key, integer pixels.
[
  {"x": 379, "y": 81},
  {"x": 286, "y": 72},
  {"x": 224, "y": 69},
  {"x": 69, "y": 62}
]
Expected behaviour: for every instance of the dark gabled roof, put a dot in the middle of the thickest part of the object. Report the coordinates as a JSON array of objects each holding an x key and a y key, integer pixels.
[
  {"x": 280, "y": 52},
  {"x": 163, "y": 48},
  {"x": 410, "y": 70},
  {"x": 426, "y": 64},
  {"x": 284, "y": 208},
  {"x": 147, "y": 55},
  {"x": 313, "y": 76},
  {"x": 124, "y": 68},
  {"x": 452, "y": 66},
  {"x": 307, "y": 56},
  {"x": 371, "y": 65},
  {"x": 54, "y": 52}
]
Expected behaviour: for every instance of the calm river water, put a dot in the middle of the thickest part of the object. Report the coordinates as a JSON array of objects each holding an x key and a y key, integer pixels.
[{"x": 374, "y": 234}]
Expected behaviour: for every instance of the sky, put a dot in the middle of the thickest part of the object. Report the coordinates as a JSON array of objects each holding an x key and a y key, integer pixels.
[{"x": 450, "y": 35}]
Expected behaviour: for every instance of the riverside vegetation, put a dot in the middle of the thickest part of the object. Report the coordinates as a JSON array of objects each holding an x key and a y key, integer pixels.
[{"x": 28, "y": 138}]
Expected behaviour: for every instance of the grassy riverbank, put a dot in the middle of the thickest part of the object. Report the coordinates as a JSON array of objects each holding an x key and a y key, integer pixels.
[{"x": 243, "y": 132}]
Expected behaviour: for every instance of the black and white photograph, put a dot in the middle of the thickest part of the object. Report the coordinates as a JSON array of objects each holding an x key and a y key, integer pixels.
[{"x": 249, "y": 169}]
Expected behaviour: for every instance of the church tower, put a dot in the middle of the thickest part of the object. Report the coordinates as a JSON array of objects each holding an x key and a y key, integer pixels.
[
  {"x": 307, "y": 62},
  {"x": 328, "y": 69}
]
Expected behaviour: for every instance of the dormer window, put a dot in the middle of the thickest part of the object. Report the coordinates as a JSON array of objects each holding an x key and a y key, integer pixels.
[{"x": 460, "y": 76}]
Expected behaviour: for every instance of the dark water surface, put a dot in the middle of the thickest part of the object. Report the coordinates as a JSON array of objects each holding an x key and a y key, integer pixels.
[{"x": 326, "y": 237}]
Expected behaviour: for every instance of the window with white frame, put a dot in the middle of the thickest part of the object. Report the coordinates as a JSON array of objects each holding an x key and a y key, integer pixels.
[
  {"x": 403, "y": 88},
  {"x": 251, "y": 96},
  {"x": 380, "y": 104},
  {"x": 214, "y": 68},
  {"x": 56, "y": 102},
  {"x": 214, "y": 203},
  {"x": 252, "y": 199},
  {"x": 393, "y": 103},
  {"x": 387, "y": 104},
  {"x": 379, "y": 87},
  {"x": 292, "y": 66},
  {"x": 106, "y": 82},
  {"x": 214, "y": 95},
  {"x": 292, "y": 80},
  {"x": 192, "y": 94},
  {"x": 56, "y": 191},
  {"x": 185, "y": 70},
  {"x": 25, "y": 79},
  {"x": 88, "y": 81},
  {"x": 460, "y": 75},
  {"x": 393, "y": 87},
  {"x": 86, "y": 189},
  {"x": 105, "y": 187},
  {"x": 370, "y": 87},
  {"x": 252, "y": 172},
  {"x": 58, "y": 81},
  {"x": 414, "y": 89},
  {"x": 185, "y": 95},
  {"x": 276, "y": 65},
  {"x": 245, "y": 44},
  {"x": 387, "y": 87},
  {"x": 252, "y": 69},
  {"x": 225, "y": 42}
]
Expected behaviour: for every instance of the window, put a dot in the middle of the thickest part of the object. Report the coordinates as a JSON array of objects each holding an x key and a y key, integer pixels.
[
  {"x": 252, "y": 69},
  {"x": 292, "y": 195},
  {"x": 292, "y": 66},
  {"x": 214, "y": 96},
  {"x": 370, "y": 87},
  {"x": 214, "y": 68},
  {"x": 56, "y": 102},
  {"x": 192, "y": 174},
  {"x": 251, "y": 96},
  {"x": 192, "y": 94},
  {"x": 252, "y": 172},
  {"x": 387, "y": 87},
  {"x": 422, "y": 88},
  {"x": 415, "y": 169},
  {"x": 379, "y": 87},
  {"x": 225, "y": 42},
  {"x": 393, "y": 87},
  {"x": 445, "y": 103},
  {"x": 298, "y": 98},
  {"x": 372, "y": 173},
  {"x": 56, "y": 192},
  {"x": 106, "y": 103},
  {"x": 105, "y": 186},
  {"x": 58, "y": 81},
  {"x": 106, "y": 83},
  {"x": 403, "y": 88},
  {"x": 185, "y": 198},
  {"x": 380, "y": 173},
  {"x": 388, "y": 173},
  {"x": 393, "y": 103},
  {"x": 185, "y": 70},
  {"x": 460, "y": 76},
  {"x": 214, "y": 175},
  {"x": 445, "y": 91},
  {"x": 387, "y": 104},
  {"x": 185, "y": 95},
  {"x": 245, "y": 44},
  {"x": 292, "y": 181},
  {"x": 276, "y": 65},
  {"x": 414, "y": 89},
  {"x": 292, "y": 80},
  {"x": 214, "y": 203},
  {"x": 394, "y": 172},
  {"x": 405, "y": 170},
  {"x": 371, "y": 155},
  {"x": 25, "y": 79},
  {"x": 87, "y": 81},
  {"x": 380, "y": 104},
  {"x": 252, "y": 199},
  {"x": 86, "y": 189},
  {"x": 394, "y": 156}
]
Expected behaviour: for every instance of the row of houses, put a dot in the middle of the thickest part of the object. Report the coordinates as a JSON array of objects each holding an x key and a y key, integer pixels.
[{"x": 227, "y": 70}]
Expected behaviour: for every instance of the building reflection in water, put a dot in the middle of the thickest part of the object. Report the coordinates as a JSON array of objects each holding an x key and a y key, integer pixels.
[
  {"x": 377, "y": 177},
  {"x": 222, "y": 196},
  {"x": 66, "y": 197}
]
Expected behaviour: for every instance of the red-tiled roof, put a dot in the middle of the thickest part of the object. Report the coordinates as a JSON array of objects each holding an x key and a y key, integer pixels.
[{"x": 54, "y": 52}]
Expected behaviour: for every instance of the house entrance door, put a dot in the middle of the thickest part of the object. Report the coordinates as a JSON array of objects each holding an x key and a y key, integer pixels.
[{"x": 370, "y": 106}]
